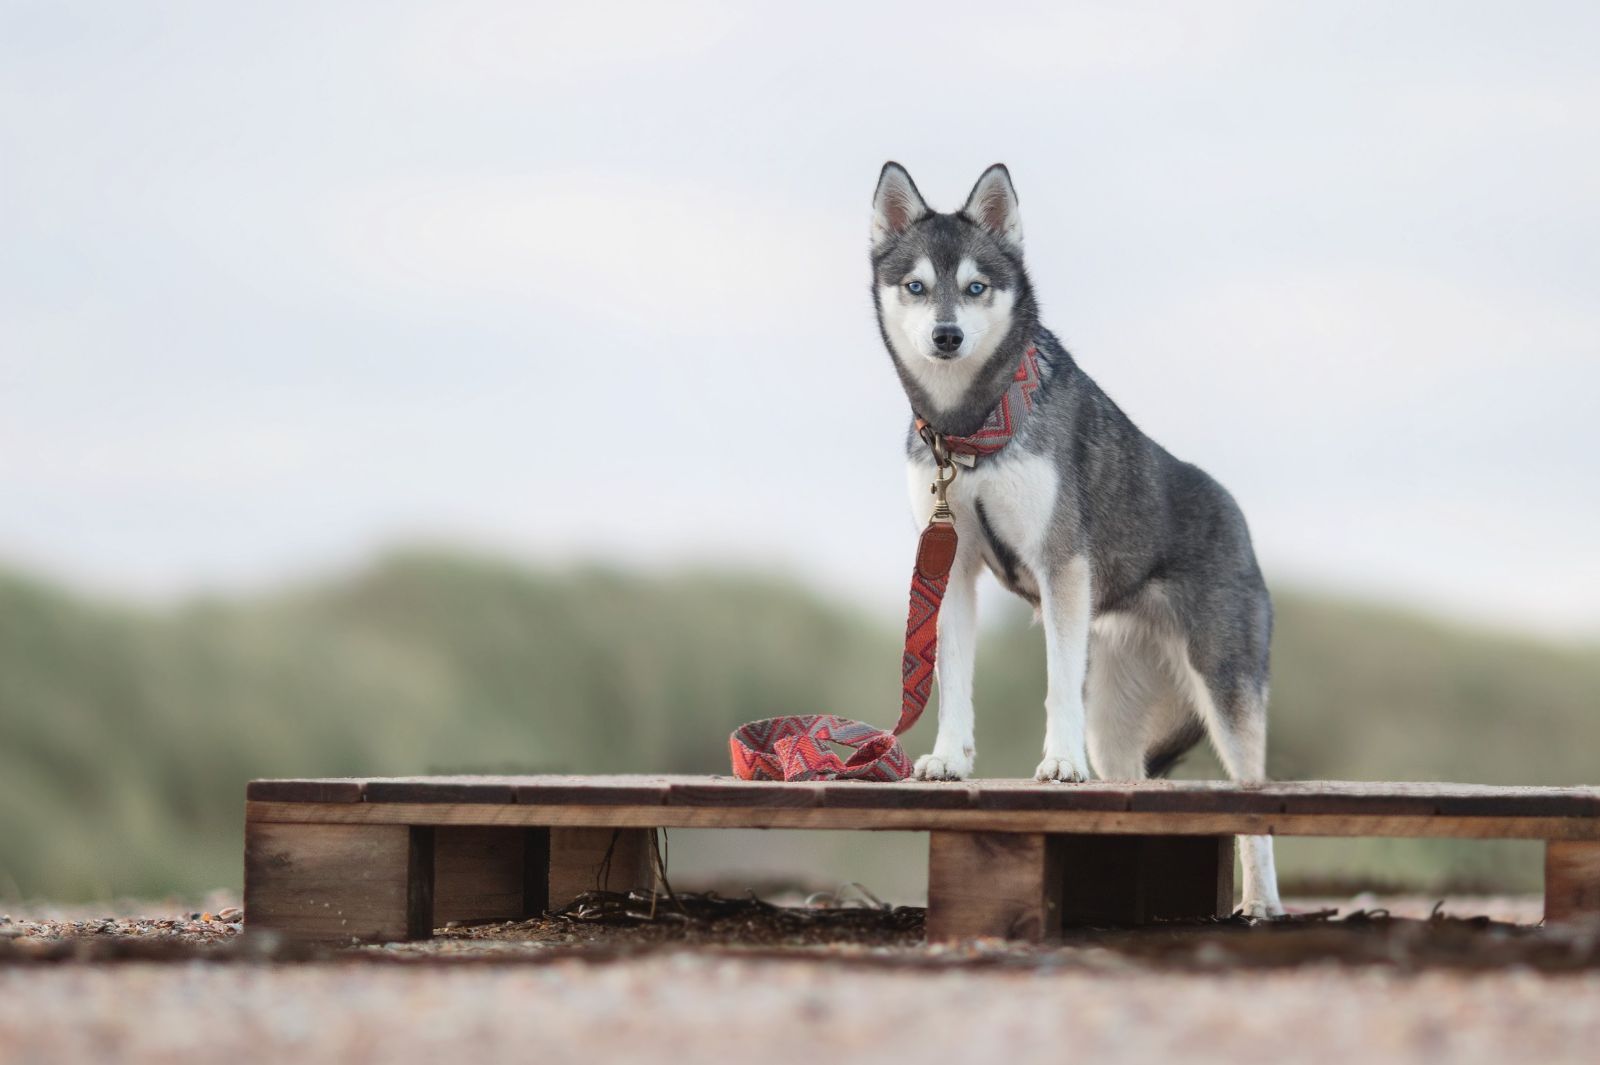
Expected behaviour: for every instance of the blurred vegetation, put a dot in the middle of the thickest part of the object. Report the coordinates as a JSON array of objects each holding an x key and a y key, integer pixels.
[{"x": 126, "y": 734}]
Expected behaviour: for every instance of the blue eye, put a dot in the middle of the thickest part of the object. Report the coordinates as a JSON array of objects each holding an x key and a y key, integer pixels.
[
  {"x": 977, "y": 288},
  {"x": 914, "y": 287}
]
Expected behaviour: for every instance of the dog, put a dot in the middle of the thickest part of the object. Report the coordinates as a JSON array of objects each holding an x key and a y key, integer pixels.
[{"x": 1156, "y": 618}]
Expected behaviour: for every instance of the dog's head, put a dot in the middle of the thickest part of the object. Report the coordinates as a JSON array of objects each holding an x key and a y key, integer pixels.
[{"x": 948, "y": 287}]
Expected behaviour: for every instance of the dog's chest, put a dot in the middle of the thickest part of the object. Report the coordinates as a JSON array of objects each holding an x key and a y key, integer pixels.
[{"x": 1003, "y": 508}]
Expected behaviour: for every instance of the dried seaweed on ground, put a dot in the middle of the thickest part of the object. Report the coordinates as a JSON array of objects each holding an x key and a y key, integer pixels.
[{"x": 848, "y": 927}]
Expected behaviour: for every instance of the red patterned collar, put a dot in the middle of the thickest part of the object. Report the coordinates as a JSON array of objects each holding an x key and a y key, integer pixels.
[{"x": 1005, "y": 421}]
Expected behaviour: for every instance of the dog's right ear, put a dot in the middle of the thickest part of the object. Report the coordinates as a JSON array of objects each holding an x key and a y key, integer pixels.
[{"x": 896, "y": 204}]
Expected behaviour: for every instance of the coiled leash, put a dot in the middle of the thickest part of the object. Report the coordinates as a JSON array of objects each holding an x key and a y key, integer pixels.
[{"x": 796, "y": 747}]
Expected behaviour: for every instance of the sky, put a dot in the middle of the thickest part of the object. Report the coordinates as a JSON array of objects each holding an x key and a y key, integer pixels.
[{"x": 281, "y": 285}]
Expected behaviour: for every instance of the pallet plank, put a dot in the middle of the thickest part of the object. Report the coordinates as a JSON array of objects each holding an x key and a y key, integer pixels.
[
  {"x": 594, "y": 791},
  {"x": 744, "y": 794},
  {"x": 1028, "y": 795},
  {"x": 439, "y": 789},
  {"x": 326, "y": 790},
  {"x": 862, "y": 795},
  {"x": 1297, "y": 798}
]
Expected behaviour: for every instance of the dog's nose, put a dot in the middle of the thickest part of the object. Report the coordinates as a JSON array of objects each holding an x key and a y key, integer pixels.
[{"x": 947, "y": 338}]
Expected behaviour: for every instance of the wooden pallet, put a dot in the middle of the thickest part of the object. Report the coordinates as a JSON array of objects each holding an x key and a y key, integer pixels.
[{"x": 394, "y": 858}]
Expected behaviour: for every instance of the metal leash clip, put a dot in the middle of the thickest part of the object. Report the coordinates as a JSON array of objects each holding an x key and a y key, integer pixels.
[{"x": 944, "y": 474}]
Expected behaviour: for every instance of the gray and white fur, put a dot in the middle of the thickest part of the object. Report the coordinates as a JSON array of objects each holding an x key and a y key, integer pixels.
[{"x": 1156, "y": 618}]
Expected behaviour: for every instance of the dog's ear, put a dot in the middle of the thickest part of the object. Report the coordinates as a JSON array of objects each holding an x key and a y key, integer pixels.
[
  {"x": 993, "y": 204},
  {"x": 895, "y": 205}
]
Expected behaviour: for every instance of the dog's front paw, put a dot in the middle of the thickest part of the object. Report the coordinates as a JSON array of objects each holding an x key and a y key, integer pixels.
[
  {"x": 1065, "y": 770},
  {"x": 943, "y": 766}
]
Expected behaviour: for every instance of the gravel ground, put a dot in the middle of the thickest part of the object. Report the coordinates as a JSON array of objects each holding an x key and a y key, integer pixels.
[{"x": 75, "y": 986}]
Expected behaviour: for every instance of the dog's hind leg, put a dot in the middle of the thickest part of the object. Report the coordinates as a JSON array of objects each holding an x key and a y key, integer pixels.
[
  {"x": 1236, "y": 721},
  {"x": 1136, "y": 712}
]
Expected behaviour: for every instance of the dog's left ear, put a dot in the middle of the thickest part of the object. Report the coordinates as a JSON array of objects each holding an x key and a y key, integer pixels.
[{"x": 993, "y": 204}]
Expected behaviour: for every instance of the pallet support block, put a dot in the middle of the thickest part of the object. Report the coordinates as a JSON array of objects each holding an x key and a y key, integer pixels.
[
  {"x": 1571, "y": 881},
  {"x": 1001, "y": 884},
  {"x": 598, "y": 859},
  {"x": 1133, "y": 880},
  {"x": 339, "y": 883}
]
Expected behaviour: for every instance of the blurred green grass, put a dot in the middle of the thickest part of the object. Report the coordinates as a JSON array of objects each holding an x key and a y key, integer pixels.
[{"x": 126, "y": 733}]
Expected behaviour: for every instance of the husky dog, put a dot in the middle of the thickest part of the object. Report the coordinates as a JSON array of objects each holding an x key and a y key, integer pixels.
[{"x": 1156, "y": 618}]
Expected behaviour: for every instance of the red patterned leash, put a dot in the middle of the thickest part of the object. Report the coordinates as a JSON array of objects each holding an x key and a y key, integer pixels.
[{"x": 796, "y": 747}]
